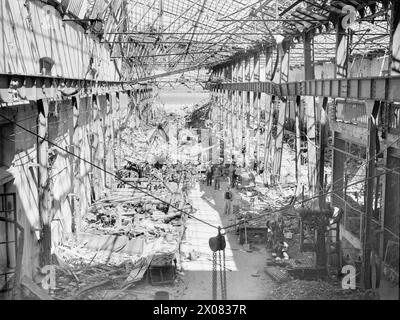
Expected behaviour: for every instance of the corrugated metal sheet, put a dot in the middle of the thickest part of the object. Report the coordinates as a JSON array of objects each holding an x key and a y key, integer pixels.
[
  {"x": 112, "y": 20},
  {"x": 116, "y": 6},
  {"x": 78, "y": 8},
  {"x": 96, "y": 8}
]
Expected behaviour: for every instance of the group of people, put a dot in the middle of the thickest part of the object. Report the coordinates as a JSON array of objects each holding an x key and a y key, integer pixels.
[{"x": 216, "y": 172}]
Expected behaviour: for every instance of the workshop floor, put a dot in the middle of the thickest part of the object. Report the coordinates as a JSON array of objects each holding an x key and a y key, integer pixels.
[{"x": 245, "y": 274}]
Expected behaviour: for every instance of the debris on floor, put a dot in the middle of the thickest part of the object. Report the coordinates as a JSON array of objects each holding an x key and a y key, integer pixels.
[{"x": 314, "y": 290}]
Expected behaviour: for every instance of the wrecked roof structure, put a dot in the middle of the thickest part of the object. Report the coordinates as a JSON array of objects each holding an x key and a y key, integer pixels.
[{"x": 145, "y": 143}]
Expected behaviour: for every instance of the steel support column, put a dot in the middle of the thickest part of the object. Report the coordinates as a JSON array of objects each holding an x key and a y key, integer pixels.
[
  {"x": 298, "y": 142},
  {"x": 234, "y": 109},
  {"x": 75, "y": 173},
  {"x": 366, "y": 237},
  {"x": 284, "y": 77},
  {"x": 44, "y": 182},
  {"x": 246, "y": 113},
  {"x": 269, "y": 103},
  {"x": 309, "y": 74},
  {"x": 256, "y": 111},
  {"x": 240, "y": 108},
  {"x": 323, "y": 139}
]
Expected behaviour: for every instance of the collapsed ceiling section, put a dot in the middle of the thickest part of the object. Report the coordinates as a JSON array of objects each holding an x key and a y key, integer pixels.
[{"x": 172, "y": 36}]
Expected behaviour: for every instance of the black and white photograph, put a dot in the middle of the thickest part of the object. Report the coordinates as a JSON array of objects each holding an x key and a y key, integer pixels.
[{"x": 200, "y": 157}]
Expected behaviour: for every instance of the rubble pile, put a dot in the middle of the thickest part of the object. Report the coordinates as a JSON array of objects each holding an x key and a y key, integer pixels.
[
  {"x": 122, "y": 238},
  {"x": 136, "y": 147},
  {"x": 197, "y": 116},
  {"x": 263, "y": 202},
  {"x": 133, "y": 215},
  {"x": 100, "y": 260},
  {"x": 82, "y": 274},
  {"x": 128, "y": 233}
]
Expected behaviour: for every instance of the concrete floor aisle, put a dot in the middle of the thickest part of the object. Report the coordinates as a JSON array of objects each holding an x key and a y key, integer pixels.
[{"x": 245, "y": 274}]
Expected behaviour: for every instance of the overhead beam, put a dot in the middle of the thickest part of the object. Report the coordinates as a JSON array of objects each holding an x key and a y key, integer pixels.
[
  {"x": 373, "y": 88},
  {"x": 17, "y": 88},
  {"x": 290, "y": 7},
  {"x": 275, "y": 20},
  {"x": 166, "y": 74},
  {"x": 173, "y": 54}
]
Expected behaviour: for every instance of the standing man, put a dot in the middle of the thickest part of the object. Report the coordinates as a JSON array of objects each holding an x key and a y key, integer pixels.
[
  {"x": 185, "y": 188},
  {"x": 238, "y": 175},
  {"x": 209, "y": 174},
  {"x": 217, "y": 177},
  {"x": 228, "y": 201},
  {"x": 232, "y": 175}
]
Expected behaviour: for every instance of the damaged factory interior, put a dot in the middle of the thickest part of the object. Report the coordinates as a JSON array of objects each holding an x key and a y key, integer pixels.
[{"x": 199, "y": 150}]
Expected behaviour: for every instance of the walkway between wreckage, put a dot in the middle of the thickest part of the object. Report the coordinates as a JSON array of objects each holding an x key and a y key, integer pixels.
[{"x": 246, "y": 279}]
